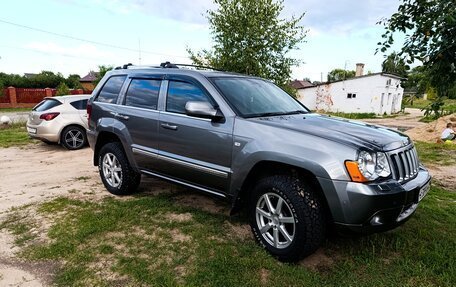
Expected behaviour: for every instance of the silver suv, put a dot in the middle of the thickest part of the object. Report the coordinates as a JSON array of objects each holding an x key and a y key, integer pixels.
[{"x": 244, "y": 139}]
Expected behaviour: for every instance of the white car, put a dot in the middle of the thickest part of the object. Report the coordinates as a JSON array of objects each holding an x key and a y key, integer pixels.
[{"x": 60, "y": 120}]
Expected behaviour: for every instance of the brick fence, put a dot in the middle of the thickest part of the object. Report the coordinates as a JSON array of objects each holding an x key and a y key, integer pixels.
[{"x": 12, "y": 97}]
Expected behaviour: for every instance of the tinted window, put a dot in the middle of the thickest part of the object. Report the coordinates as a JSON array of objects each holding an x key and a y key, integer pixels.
[
  {"x": 143, "y": 93},
  {"x": 179, "y": 93},
  {"x": 80, "y": 105},
  {"x": 111, "y": 89},
  {"x": 252, "y": 97},
  {"x": 47, "y": 105}
]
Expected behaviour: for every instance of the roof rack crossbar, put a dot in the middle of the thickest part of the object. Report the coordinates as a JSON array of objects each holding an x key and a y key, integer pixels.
[{"x": 166, "y": 65}]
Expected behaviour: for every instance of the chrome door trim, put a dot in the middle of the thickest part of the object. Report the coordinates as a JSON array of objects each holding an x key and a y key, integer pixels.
[
  {"x": 209, "y": 170},
  {"x": 184, "y": 183}
]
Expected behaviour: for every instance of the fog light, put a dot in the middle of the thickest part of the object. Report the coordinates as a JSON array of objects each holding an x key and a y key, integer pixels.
[{"x": 376, "y": 221}]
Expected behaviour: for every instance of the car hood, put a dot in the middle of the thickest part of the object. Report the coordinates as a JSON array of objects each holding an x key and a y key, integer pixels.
[{"x": 349, "y": 132}]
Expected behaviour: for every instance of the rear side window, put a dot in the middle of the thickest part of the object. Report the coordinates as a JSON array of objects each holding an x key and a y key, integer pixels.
[
  {"x": 179, "y": 93},
  {"x": 47, "y": 105},
  {"x": 143, "y": 93},
  {"x": 111, "y": 90},
  {"x": 79, "y": 105}
]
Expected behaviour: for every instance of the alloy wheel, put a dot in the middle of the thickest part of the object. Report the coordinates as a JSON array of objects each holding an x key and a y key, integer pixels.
[
  {"x": 275, "y": 220},
  {"x": 112, "y": 170}
]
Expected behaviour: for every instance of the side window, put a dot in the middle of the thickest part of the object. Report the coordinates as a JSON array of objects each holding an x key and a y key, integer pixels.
[
  {"x": 179, "y": 93},
  {"x": 79, "y": 105},
  {"x": 143, "y": 93},
  {"x": 111, "y": 89}
]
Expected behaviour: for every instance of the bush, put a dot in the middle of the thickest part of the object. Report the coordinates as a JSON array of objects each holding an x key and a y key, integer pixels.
[{"x": 62, "y": 89}]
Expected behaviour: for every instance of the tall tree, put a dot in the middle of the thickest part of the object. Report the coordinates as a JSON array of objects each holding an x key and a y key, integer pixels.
[
  {"x": 430, "y": 37},
  {"x": 340, "y": 74},
  {"x": 395, "y": 64},
  {"x": 251, "y": 38}
]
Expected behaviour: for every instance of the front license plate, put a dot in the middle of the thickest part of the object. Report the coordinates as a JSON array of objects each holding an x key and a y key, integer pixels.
[
  {"x": 31, "y": 130},
  {"x": 423, "y": 191}
]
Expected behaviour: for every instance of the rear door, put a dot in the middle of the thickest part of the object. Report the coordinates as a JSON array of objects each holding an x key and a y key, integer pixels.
[
  {"x": 81, "y": 107},
  {"x": 140, "y": 115},
  {"x": 192, "y": 149}
]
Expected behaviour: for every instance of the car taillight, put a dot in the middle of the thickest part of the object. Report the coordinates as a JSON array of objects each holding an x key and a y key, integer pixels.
[
  {"x": 49, "y": 116},
  {"x": 89, "y": 111}
]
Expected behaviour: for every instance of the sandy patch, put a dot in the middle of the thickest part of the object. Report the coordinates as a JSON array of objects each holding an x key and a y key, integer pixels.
[
  {"x": 317, "y": 261},
  {"x": 431, "y": 132},
  {"x": 444, "y": 175},
  {"x": 203, "y": 202}
]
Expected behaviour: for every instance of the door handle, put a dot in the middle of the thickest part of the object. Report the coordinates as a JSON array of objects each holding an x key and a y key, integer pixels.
[
  {"x": 117, "y": 115},
  {"x": 169, "y": 127}
]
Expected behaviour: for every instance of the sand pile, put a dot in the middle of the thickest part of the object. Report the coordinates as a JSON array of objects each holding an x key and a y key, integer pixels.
[{"x": 432, "y": 131}]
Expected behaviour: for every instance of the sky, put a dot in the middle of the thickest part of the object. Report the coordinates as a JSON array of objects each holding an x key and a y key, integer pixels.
[{"x": 76, "y": 36}]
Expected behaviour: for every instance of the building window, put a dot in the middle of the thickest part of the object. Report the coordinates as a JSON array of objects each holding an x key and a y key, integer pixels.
[
  {"x": 351, "y": 95},
  {"x": 388, "y": 82}
]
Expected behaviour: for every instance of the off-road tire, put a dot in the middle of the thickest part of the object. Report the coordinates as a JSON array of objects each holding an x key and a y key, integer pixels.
[
  {"x": 78, "y": 133},
  {"x": 306, "y": 206},
  {"x": 130, "y": 179}
]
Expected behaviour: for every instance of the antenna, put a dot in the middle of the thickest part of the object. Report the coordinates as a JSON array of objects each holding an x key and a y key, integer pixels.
[{"x": 139, "y": 50}]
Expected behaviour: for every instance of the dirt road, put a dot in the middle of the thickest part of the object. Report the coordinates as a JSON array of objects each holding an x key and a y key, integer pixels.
[{"x": 39, "y": 172}]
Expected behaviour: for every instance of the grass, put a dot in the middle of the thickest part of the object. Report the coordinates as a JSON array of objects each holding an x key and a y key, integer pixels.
[
  {"x": 450, "y": 104},
  {"x": 438, "y": 154},
  {"x": 13, "y": 110},
  {"x": 154, "y": 241},
  {"x": 14, "y": 135}
]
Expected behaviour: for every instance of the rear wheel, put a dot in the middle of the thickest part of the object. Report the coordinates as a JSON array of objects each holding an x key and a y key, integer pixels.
[
  {"x": 117, "y": 175},
  {"x": 287, "y": 217},
  {"x": 73, "y": 137}
]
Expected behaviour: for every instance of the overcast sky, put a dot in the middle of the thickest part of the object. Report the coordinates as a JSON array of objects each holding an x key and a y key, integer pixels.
[{"x": 341, "y": 33}]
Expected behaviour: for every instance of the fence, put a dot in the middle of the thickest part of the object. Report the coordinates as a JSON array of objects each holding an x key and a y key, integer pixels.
[{"x": 26, "y": 98}]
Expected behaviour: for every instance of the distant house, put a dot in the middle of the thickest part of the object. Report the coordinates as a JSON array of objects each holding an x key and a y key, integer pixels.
[
  {"x": 297, "y": 84},
  {"x": 87, "y": 82},
  {"x": 377, "y": 93}
]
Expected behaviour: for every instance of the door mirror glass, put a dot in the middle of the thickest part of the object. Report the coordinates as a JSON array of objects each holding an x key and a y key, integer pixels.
[{"x": 202, "y": 110}]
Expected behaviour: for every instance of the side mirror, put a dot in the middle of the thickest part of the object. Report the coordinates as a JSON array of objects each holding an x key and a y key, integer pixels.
[{"x": 202, "y": 110}]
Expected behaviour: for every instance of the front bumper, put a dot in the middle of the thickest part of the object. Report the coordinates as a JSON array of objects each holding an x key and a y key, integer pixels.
[{"x": 369, "y": 208}]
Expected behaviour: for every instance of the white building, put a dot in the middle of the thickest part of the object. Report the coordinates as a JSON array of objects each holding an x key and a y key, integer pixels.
[{"x": 377, "y": 93}]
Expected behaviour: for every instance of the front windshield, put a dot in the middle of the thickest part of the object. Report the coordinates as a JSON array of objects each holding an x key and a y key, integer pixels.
[{"x": 252, "y": 97}]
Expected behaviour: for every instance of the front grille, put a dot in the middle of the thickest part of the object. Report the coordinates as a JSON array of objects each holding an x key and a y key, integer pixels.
[{"x": 405, "y": 164}]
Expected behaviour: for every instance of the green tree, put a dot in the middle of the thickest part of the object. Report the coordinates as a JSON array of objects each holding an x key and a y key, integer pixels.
[
  {"x": 395, "y": 64},
  {"x": 62, "y": 89},
  {"x": 251, "y": 38},
  {"x": 102, "y": 70},
  {"x": 430, "y": 37},
  {"x": 72, "y": 81},
  {"x": 340, "y": 74}
]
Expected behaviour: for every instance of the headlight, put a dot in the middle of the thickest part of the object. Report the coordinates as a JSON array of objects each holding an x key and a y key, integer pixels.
[{"x": 373, "y": 165}]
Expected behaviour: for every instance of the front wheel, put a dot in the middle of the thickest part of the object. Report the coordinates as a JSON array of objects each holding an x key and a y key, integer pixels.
[
  {"x": 287, "y": 217},
  {"x": 117, "y": 175}
]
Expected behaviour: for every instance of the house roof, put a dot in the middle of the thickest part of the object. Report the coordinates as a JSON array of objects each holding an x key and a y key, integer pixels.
[
  {"x": 297, "y": 84},
  {"x": 90, "y": 77},
  {"x": 359, "y": 77}
]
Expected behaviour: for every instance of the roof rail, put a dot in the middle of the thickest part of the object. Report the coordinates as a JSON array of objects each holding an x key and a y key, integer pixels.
[{"x": 166, "y": 65}]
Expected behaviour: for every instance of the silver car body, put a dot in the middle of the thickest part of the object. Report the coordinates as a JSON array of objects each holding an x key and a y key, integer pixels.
[{"x": 50, "y": 131}]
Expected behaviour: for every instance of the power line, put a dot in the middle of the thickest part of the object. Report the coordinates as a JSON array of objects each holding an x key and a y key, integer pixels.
[{"x": 88, "y": 41}]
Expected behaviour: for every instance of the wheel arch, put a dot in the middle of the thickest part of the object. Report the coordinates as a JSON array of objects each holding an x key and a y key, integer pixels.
[{"x": 268, "y": 168}]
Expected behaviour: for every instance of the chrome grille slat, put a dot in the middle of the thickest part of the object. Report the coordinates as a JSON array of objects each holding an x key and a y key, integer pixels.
[{"x": 404, "y": 164}]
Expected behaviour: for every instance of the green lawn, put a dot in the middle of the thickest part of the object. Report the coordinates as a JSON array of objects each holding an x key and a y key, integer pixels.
[
  {"x": 450, "y": 104},
  {"x": 434, "y": 153},
  {"x": 14, "y": 135},
  {"x": 155, "y": 241},
  {"x": 11, "y": 110}
]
